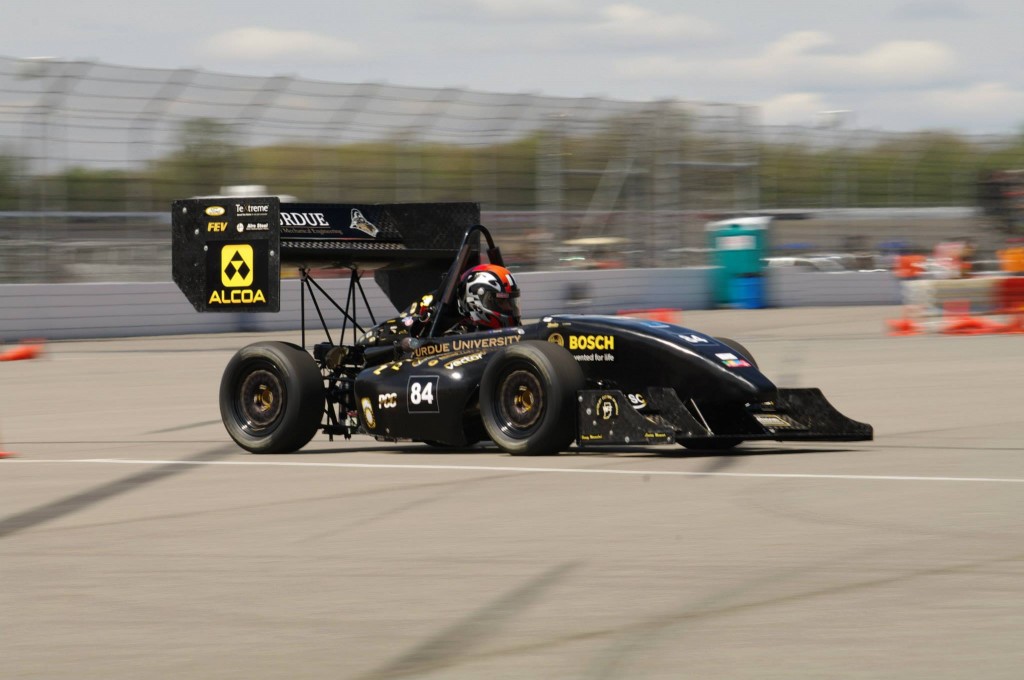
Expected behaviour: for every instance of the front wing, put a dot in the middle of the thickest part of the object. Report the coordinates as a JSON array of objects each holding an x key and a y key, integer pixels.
[{"x": 659, "y": 417}]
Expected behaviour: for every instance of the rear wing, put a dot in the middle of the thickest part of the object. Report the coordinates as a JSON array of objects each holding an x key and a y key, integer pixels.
[{"x": 227, "y": 252}]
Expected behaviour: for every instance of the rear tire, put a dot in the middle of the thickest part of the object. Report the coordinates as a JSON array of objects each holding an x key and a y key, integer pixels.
[
  {"x": 272, "y": 397},
  {"x": 528, "y": 398}
]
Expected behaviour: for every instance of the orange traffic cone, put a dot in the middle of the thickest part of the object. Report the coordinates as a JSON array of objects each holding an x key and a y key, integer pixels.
[
  {"x": 22, "y": 352},
  {"x": 970, "y": 325},
  {"x": 1014, "y": 325},
  {"x": 4, "y": 454},
  {"x": 904, "y": 325}
]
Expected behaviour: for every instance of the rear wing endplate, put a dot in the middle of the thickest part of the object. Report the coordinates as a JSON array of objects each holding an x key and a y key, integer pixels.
[{"x": 227, "y": 252}]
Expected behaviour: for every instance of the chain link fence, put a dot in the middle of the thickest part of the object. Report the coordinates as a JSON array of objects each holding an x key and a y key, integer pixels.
[{"x": 91, "y": 155}]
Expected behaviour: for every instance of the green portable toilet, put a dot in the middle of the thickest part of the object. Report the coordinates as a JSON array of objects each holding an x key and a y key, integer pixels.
[{"x": 738, "y": 248}]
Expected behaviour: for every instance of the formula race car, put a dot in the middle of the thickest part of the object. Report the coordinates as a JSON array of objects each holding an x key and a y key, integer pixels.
[{"x": 531, "y": 389}]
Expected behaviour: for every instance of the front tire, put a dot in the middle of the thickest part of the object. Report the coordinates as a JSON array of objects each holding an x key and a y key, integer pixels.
[
  {"x": 528, "y": 398},
  {"x": 272, "y": 397}
]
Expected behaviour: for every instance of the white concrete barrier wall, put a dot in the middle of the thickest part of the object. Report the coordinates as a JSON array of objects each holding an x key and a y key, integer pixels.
[
  {"x": 980, "y": 295},
  {"x": 68, "y": 311},
  {"x": 791, "y": 287}
]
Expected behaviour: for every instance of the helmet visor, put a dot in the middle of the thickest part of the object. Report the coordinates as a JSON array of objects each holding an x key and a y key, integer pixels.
[{"x": 506, "y": 304}]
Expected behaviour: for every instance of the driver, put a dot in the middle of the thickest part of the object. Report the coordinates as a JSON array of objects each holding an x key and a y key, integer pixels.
[{"x": 487, "y": 298}]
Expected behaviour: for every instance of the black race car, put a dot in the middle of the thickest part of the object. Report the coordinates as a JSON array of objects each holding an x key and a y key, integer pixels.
[{"x": 533, "y": 389}]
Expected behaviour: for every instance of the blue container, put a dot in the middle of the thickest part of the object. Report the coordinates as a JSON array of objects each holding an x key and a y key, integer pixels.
[
  {"x": 738, "y": 248},
  {"x": 747, "y": 292}
]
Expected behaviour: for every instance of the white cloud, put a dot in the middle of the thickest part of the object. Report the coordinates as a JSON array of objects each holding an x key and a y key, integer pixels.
[
  {"x": 806, "y": 60},
  {"x": 512, "y": 10},
  {"x": 982, "y": 103},
  {"x": 267, "y": 44},
  {"x": 633, "y": 22},
  {"x": 794, "y": 45},
  {"x": 794, "y": 108}
]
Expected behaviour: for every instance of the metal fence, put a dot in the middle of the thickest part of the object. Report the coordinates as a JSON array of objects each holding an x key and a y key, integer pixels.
[{"x": 91, "y": 156}]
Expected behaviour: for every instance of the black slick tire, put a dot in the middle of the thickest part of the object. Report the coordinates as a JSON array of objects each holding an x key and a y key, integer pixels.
[
  {"x": 528, "y": 398},
  {"x": 272, "y": 397}
]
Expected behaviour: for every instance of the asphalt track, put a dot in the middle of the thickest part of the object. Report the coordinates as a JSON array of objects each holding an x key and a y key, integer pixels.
[{"x": 137, "y": 541}]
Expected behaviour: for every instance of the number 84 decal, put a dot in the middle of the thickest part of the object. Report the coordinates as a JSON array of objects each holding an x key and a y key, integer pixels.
[{"x": 422, "y": 394}]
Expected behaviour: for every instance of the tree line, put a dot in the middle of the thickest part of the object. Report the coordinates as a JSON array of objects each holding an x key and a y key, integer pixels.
[{"x": 899, "y": 170}]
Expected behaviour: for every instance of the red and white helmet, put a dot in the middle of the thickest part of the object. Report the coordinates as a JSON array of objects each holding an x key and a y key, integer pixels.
[{"x": 489, "y": 297}]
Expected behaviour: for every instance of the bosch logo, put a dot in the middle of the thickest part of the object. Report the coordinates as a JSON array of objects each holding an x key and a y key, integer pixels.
[{"x": 591, "y": 342}]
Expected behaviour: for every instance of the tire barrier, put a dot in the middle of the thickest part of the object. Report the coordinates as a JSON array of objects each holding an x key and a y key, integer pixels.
[{"x": 973, "y": 306}]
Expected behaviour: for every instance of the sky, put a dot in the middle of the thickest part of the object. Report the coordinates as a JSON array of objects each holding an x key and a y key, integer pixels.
[{"x": 875, "y": 64}]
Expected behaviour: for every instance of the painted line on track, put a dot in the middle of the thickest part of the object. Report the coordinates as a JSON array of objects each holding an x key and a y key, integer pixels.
[{"x": 487, "y": 468}]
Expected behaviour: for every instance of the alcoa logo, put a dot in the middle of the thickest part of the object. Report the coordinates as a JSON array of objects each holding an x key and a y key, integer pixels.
[
  {"x": 236, "y": 265},
  {"x": 215, "y": 211},
  {"x": 236, "y": 273}
]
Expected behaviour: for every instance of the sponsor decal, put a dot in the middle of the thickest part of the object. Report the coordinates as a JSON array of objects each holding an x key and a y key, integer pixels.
[
  {"x": 393, "y": 366},
  {"x": 362, "y": 224},
  {"x": 557, "y": 339},
  {"x": 778, "y": 421},
  {"x": 733, "y": 361},
  {"x": 594, "y": 356},
  {"x": 304, "y": 219},
  {"x": 462, "y": 361},
  {"x": 251, "y": 210},
  {"x": 637, "y": 400},
  {"x": 591, "y": 342},
  {"x": 388, "y": 400},
  {"x": 215, "y": 211},
  {"x": 464, "y": 345},
  {"x": 591, "y": 437},
  {"x": 771, "y": 420},
  {"x": 236, "y": 265},
  {"x": 216, "y": 226},
  {"x": 422, "y": 394},
  {"x": 235, "y": 282},
  {"x": 607, "y": 407},
  {"x": 238, "y": 296},
  {"x": 255, "y": 226},
  {"x": 694, "y": 339},
  {"x": 371, "y": 422}
]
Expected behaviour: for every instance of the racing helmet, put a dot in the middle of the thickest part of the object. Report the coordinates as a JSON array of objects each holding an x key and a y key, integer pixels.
[{"x": 489, "y": 297}]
